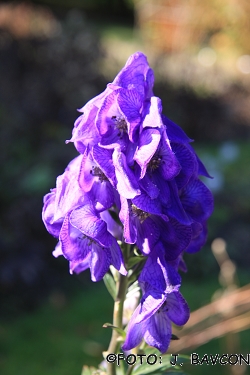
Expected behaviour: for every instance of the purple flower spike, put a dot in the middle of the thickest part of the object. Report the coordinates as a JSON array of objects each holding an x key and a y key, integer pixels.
[{"x": 136, "y": 180}]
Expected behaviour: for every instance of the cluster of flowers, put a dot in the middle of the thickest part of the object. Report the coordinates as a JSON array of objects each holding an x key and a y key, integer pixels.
[{"x": 137, "y": 164}]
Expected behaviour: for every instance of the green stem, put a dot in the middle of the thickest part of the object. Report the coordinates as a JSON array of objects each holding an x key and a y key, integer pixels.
[{"x": 117, "y": 320}]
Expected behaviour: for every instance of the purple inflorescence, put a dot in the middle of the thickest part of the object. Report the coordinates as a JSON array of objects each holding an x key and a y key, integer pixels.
[{"x": 138, "y": 165}]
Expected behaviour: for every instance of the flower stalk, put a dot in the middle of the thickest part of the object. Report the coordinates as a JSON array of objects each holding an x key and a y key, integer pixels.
[{"x": 117, "y": 320}]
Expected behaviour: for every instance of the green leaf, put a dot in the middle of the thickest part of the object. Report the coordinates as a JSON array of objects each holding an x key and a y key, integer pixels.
[
  {"x": 110, "y": 285},
  {"x": 119, "y": 330}
]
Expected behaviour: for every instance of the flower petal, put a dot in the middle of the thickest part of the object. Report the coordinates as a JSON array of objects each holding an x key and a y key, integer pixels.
[
  {"x": 129, "y": 230},
  {"x": 197, "y": 200},
  {"x": 178, "y": 310},
  {"x": 151, "y": 301},
  {"x": 152, "y": 117},
  {"x": 127, "y": 185},
  {"x": 148, "y": 234},
  {"x": 103, "y": 159},
  {"x": 149, "y": 187},
  {"x": 136, "y": 75},
  {"x": 174, "y": 132},
  {"x": 99, "y": 262},
  {"x": 198, "y": 241},
  {"x": 159, "y": 332},
  {"x": 130, "y": 103},
  {"x": 175, "y": 237},
  {"x": 159, "y": 274},
  {"x": 135, "y": 332},
  {"x": 86, "y": 220},
  {"x": 148, "y": 143},
  {"x": 187, "y": 160},
  {"x": 75, "y": 247},
  {"x": 117, "y": 258},
  {"x": 85, "y": 131},
  {"x": 176, "y": 209},
  {"x": 79, "y": 266}
]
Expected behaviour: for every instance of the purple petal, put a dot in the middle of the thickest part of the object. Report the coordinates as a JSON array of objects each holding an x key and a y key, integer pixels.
[
  {"x": 102, "y": 195},
  {"x": 103, "y": 159},
  {"x": 149, "y": 83},
  {"x": 148, "y": 234},
  {"x": 107, "y": 112},
  {"x": 79, "y": 266},
  {"x": 153, "y": 118},
  {"x": 187, "y": 160},
  {"x": 117, "y": 258},
  {"x": 113, "y": 227},
  {"x": 52, "y": 226},
  {"x": 175, "y": 237},
  {"x": 134, "y": 75},
  {"x": 169, "y": 167},
  {"x": 130, "y": 230},
  {"x": 197, "y": 200},
  {"x": 85, "y": 131},
  {"x": 107, "y": 121},
  {"x": 100, "y": 262},
  {"x": 158, "y": 273},
  {"x": 148, "y": 143},
  {"x": 178, "y": 310},
  {"x": 198, "y": 241},
  {"x": 75, "y": 247},
  {"x": 159, "y": 331},
  {"x": 86, "y": 220},
  {"x": 86, "y": 178},
  {"x": 146, "y": 204},
  {"x": 135, "y": 332},
  {"x": 151, "y": 302},
  {"x": 130, "y": 103},
  {"x": 149, "y": 187},
  {"x": 162, "y": 185},
  {"x": 127, "y": 185},
  {"x": 67, "y": 193},
  {"x": 174, "y": 132},
  {"x": 176, "y": 210},
  {"x": 202, "y": 171}
]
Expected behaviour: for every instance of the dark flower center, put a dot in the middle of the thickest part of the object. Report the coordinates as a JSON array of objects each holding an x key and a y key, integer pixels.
[
  {"x": 96, "y": 171},
  {"x": 91, "y": 241},
  {"x": 163, "y": 307},
  {"x": 120, "y": 124},
  {"x": 155, "y": 162},
  {"x": 142, "y": 215}
]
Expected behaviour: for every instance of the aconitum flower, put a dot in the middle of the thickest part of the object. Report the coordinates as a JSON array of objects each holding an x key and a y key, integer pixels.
[
  {"x": 136, "y": 181},
  {"x": 152, "y": 319},
  {"x": 82, "y": 224}
]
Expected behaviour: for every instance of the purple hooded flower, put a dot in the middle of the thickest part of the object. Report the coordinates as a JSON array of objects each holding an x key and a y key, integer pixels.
[
  {"x": 114, "y": 116},
  {"x": 65, "y": 197},
  {"x": 153, "y": 317},
  {"x": 77, "y": 217},
  {"x": 85, "y": 241}
]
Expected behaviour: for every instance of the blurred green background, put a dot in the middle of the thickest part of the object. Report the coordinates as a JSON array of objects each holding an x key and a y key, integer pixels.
[{"x": 55, "y": 55}]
